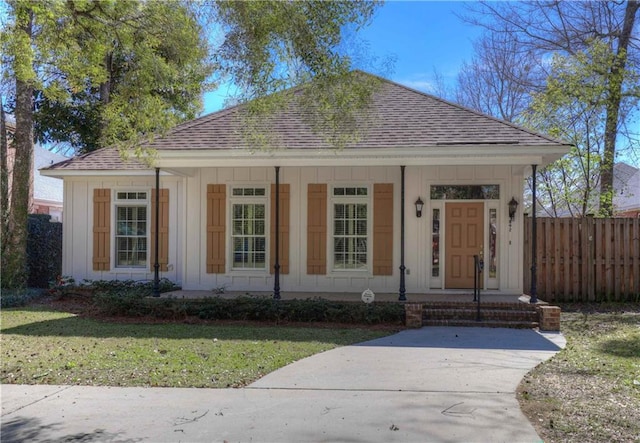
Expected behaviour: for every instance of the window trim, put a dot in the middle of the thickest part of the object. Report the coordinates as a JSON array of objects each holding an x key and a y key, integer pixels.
[
  {"x": 115, "y": 203},
  {"x": 357, "y": 199},
  {"x": 248, "y": 199}
]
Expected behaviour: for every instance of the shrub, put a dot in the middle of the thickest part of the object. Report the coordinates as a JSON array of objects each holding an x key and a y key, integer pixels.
[
  {"x": 12, "y": 298},
  {"x": 250, "y": 308},
  {"x": 44, "y": 250}
]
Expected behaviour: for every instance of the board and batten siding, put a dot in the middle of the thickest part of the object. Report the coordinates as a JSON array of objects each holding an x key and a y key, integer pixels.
[
  {"x": 89, "y": 226},
  {"x": 188, "y": 263}
]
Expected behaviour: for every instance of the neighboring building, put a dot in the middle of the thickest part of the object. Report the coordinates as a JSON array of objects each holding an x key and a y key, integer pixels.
[
  {"x": 626, "y": 184},
  {"x": 46, "y": 193},
  {"x": 340, "y": 222}
]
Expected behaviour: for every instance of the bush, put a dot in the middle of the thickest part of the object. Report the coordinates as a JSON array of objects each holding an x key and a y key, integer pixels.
[
  {"x": 44, "y": 250},
  {"x": 12, "y": 298},
  {"x": 249, "y": 308}
]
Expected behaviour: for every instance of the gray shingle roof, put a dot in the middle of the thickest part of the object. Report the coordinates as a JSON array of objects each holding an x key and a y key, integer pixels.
[
  {"x": 399, "y": 117},
  {"x": 105, "y": 159}
]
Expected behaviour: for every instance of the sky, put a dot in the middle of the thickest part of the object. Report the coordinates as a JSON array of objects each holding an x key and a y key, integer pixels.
[{"x": 422, "y": 36}]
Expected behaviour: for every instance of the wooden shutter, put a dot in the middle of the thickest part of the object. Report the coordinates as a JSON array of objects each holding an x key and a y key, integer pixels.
[
  {"x": 383, "y": 229},
  {"x": 101, "y": 229},
  {"x": 216, "y": 224},
  {"x": 317, "y": 229},
  {"x": 163, "y": 236},
  {"x": 284, "y": 228}
]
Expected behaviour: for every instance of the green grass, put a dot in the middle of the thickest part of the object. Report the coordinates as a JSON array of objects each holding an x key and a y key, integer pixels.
[
  {"x": 590, "y": 391},
  {"x": 41, "y": 346}
]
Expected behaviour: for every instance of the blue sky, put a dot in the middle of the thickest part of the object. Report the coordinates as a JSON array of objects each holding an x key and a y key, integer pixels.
[{"x": 422, "y": 36}]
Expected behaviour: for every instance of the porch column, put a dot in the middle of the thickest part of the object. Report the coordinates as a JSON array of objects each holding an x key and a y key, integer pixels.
[
  {"x": 534, "y": 239},
  {"x": 156, "y": 264},
  {"x": 402, "y": 291},
  {"x": 276, "y": 266}
]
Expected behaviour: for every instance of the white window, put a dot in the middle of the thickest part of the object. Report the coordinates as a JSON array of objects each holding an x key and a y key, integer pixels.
[
  {"x": 248, "y": 228},
  {"x": 350, "y": 228},
  {"x": 131, "y": 239}
]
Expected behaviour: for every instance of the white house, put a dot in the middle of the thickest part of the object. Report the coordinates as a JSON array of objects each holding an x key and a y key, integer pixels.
[
  {"x": 47, "y": 191},
  {"x": 347, "y": 219},
  {"x": 626, "y": 185}
]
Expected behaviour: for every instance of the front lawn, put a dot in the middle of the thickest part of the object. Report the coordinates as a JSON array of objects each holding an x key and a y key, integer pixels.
[
  {"x": 590, "y": 391},
  {"x": 43, "y": 346}
]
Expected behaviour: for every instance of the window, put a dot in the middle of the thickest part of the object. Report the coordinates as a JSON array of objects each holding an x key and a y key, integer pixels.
[
  {"x": 493, "y": 257},
  {"x": 350, "y": 227},
  {"x": 131, "y": 229},
  {"x": 435, "y": 243},
  {"x": 249, "y": 243},
  {"x": 465, "y": 192}
]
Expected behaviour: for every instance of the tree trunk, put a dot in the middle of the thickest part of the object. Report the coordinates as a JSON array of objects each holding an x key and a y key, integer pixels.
[
  {"x": 4, "y": 184},
  {"x": 616, "y": 76},
  {"x": 15, "y": 273}
]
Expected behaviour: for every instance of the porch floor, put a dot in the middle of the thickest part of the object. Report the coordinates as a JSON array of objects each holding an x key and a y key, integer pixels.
[{"x": 448, "y": 296}]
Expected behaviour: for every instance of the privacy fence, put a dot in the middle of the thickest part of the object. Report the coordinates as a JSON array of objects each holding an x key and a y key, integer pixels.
[{"x": 584, "y": 259}]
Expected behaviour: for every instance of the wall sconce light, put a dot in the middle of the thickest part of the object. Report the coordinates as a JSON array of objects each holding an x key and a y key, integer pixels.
[
  {"x": 419, "y": 205},
  {"x": 513, "y": 207}
]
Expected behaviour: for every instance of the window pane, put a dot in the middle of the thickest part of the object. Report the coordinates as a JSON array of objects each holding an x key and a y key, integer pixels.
[
  {"x": 465, "y": 192},
  {"x": 131, "y": 234},
  {"x": 435, "y": 244},
  {"x": 350, "y": 235},
  {"x": 493, "y": 258},
  {"x": 248, "y": 236}
]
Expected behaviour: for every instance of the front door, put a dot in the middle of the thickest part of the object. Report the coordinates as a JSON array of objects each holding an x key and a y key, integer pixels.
[{"x": 463, "y": 240}]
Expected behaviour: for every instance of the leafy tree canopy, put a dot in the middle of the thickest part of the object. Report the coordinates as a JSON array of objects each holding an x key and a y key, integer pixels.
[{"x": 114, "y": 72}]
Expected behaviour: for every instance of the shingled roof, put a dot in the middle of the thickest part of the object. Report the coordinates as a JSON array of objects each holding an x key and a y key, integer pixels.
[{"x": 398, "y": 117}]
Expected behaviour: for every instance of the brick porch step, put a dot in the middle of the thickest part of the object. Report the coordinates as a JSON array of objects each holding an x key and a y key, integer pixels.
[{"x": 496, "y": 315}]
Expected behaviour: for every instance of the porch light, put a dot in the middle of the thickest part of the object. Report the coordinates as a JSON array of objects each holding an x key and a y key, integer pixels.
[
  {"x": 419, "y": 205},
  {"x": 513, "y": 207}
]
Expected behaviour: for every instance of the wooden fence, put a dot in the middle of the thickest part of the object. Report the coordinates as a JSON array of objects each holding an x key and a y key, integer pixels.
[{"x": 584, "y": 259}]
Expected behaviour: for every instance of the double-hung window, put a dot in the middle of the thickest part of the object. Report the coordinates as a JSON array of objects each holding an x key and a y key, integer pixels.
[
  {"x": 248, "y": 228},
  {"x": 131, "y": 239},
  {"x": 350, "y": 228}
]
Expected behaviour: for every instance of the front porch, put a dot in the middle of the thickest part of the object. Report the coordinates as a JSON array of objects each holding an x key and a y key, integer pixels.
[
  {"x": 441, "y": 296},
  {"x": 451, "y": 308}
]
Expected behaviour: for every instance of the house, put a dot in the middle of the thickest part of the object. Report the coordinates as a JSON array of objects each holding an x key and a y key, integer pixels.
[
  {"x": 403, "y": 209},
  {"x": 46, "y": 193},
  {"x": 626, "y": 185}
]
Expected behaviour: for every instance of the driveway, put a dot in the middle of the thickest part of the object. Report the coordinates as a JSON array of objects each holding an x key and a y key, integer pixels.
[{"x": 433, "y": 384}]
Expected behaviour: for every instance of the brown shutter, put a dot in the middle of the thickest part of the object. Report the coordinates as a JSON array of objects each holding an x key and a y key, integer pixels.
[
  {"x": 383, "y": 229},
  {"x": 317, "y": 229},
  {"x": 163, "y": 237},
  {"x": 284, "y": 228},
  {"x": 101, "y": 229},
  {"x": 216, "y": 223}
]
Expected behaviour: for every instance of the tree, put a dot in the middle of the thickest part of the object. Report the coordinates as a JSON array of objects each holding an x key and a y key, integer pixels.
[
  {"x": 499, "y": 79},
  {"x": 544, "y": 29},
  {"x": 119, "y": 72}
]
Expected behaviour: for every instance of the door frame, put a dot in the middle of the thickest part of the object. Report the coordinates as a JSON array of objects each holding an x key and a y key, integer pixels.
[{"x": 487, "y": 282}]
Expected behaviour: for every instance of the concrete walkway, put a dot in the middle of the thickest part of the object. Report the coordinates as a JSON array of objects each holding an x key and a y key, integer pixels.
[{"x": 433, "y": 384}]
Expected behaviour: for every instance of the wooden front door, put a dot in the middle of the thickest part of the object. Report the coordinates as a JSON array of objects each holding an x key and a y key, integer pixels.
[{"x": 463, "y": 239}]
